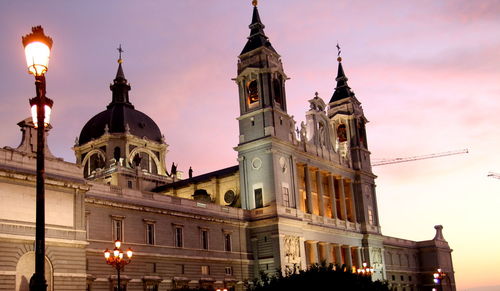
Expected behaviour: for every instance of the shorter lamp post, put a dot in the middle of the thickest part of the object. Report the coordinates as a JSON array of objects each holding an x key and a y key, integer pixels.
[
  {"x": 439, "y": 275},
  {"x": 365, "y": 271},
  {"x": 117, "y": 260}
]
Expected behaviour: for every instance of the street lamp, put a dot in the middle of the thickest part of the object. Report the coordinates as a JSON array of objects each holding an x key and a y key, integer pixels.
[
  {"x": 37, "y": 50},
  {"x": 438, "y": 278},
  {"x": 116, "y": 259},
  {"x": 365, "y": 271}
]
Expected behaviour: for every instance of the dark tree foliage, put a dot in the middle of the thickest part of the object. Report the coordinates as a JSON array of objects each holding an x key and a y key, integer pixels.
[{"x": 318, "y": 278}]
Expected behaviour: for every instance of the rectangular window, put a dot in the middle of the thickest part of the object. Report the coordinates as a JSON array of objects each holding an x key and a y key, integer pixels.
[
  {"x": 179, "y": 269},
  {"x": 204, "y": 239},
  {"x": 259, "y": 203},
  {"x": 178, "y": 237},
  {"x": 370, "y": 217},
  {"x": 286, "y": 196},
  {"x": 150, "y": 233},
  {"x": 227, "y": 242},
  {"x": 152, "y": 287},
  {"x": 229, "y": 271},
  {"x": 205, "y": 270},
  {"x": 117, "y": 229}
]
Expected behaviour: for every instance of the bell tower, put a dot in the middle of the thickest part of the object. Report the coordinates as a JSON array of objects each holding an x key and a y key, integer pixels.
[
  {"x": 264, "y": 123},
  {"x": 349, "y": 135}
]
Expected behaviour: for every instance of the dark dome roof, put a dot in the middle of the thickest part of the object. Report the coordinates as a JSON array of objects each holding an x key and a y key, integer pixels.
[
  {"x": 120, "y": 113},
  {"x": 116, "y": 118}
]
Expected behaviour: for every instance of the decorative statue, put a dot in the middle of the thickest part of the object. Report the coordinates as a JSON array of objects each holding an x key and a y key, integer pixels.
[
  {"x": 190, "y": 173},
  {"x": 303, "y": 131}
]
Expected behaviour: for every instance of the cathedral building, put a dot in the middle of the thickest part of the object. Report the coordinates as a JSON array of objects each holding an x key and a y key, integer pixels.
[{"x": 300, "y": 194}]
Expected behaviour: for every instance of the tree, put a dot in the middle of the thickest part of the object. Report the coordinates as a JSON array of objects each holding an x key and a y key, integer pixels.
[{"x": 318, "y": 278}]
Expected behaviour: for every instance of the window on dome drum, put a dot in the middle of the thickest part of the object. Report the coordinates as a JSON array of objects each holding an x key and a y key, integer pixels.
[
  {"x": 342, "y": 133},
  {"x": 227, "y": 242},
  {"x": 253, "y": 92},
  {"x": 96, "y": 161},
  {"x": 146, "y": 162}
]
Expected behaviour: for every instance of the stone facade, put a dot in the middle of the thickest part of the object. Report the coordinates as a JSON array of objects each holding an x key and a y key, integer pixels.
[{"x": 301, "y": 194}]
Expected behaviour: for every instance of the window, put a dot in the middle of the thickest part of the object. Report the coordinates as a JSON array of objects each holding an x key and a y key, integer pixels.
[
  {"x": 204, "y": 239},
  {"x": 205, "y": 270},
  {"x": 370, "y": 216},
  {"x": 117, "y": 229},
  {"x": 402, "y": 278},
  {"x": 152, "y": 287},
  {"x": 286, "y": 196},
  {"x": 150, "y": 267},
  {"x": 259, "y": 203},
  {"x": 227, "y": 242},
  {"x": 409, "y": 278},
  {"x": 253, "y": 92},
  {"x": 179, "y": 269},
  {"x": 229, "y": 271},
  {"x": 393, "y": 278},
  {"x": 178, "y": 237},
  {"x": 129, "y": 184},
  {"x": 150, "y": 233},
  {"x": 342, "y": 133}
]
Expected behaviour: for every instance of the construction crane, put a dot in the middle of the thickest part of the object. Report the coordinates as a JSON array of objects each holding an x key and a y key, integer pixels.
[
  {"x": 494, "y": 175},
  {"x": 416, "y": 158}
]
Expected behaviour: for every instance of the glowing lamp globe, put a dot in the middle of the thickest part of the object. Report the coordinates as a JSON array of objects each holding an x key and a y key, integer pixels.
[
  {"x": 37, "y": 50},
  {"x": 34, "y": 114}
]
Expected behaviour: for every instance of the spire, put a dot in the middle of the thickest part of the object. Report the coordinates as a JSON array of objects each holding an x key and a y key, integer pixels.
[
  {"x": 257, "y": 36},
  {"x": 342, "y": 90},
  {"x": 120, "y": 87}
]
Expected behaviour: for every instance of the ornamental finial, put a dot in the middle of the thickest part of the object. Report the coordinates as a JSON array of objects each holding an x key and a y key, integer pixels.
[
  {"x": 339, "y": 58},
  {"x": 120, "y": 51},
  {"x": 254, "y": 3}
]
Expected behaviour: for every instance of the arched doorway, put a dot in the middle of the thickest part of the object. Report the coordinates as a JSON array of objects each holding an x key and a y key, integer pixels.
[{"x": 25, "y": 269}]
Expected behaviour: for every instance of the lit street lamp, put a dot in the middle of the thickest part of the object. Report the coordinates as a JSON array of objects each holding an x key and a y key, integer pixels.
[
  {"x": 37, "y": 50},
  {"x": 365, "y": 271},
  {"x": 438, "y": 278},
  {"x": 117, "y": 260}
]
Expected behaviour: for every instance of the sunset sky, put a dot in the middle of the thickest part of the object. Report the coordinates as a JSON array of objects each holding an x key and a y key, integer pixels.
[{"x": 427, "y": 73}]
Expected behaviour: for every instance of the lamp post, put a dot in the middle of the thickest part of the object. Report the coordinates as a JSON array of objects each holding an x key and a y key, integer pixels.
[
  {"x": 37, "y": 50},
  {"x": 439, "y": 275},
  {"x": 365, "y": 271},
  {"x": 117, "y": 260}
]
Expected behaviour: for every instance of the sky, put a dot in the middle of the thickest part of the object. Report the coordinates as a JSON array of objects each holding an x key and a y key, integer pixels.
[{"x": 427, "y": 73}]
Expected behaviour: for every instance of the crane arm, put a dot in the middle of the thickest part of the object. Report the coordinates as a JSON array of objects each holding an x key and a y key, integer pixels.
[
  {"x": 415, "y": 158},
  {"x": 494, "y": 175}
]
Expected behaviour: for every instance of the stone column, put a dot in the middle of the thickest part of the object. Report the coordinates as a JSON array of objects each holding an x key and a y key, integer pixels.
[
  {"x": 338, "y": 254},
  {"x": 359, "y": 262},
  {"x": 353, "y": 203},
  {"x": 302, "y": 246},
  {"x": 348, "y": 257},
  {"x": 319, "y": 183},
  {"x": 255, "y": 250},
  {"x": 333, "y": 198},
  {"x": 342, "y": 199},
  {"x": 308, "y": 189},
  {"x": 312, "y": 249},
  {"x": 328, "y": 251}
]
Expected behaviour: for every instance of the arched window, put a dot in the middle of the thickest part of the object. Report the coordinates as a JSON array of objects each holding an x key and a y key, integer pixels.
[
  {"x": 145, "y": 161},
  {"x": 278, "y": 91},
  {"x": 253, "y": 92},
  {"x": 95, "y": 161},
  {"x": 342, "y": 133},
  {"x": 117, "y": 154}
]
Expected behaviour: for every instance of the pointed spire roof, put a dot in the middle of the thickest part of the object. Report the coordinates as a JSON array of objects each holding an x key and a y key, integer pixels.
[
  {"x": 120, "y": 86},
  {"x": 257, "y": 36},
  {"x": 342, "y": 90}
]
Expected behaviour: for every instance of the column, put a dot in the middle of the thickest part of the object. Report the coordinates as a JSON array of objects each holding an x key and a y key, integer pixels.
[
  {"x": 302, "y": 246},
  {"x": 342, "y": 199},
  {"x": 348, "y": 258},
  {"x": 321, "y": 201},
  {"x": 338, "y": 254},
  {"x": 333, "y": 198},
  {"x": 353, "y": 204},
  {"x": 359, "y": 262},
  {"x": 255, "y": 250},
  {"x": 329, "y": 255},
  {"x": 308, "y": 189}
]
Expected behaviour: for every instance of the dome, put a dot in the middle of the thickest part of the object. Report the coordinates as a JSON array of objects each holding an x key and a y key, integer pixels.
[
  {"x": 119, "y": 115},
  {"x": 116, "y": 118}
]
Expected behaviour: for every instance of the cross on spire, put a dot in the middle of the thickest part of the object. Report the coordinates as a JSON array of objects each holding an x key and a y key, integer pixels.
[
  {"x": 339, "y": 58},
  {"x": 120, "y": 51}
]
